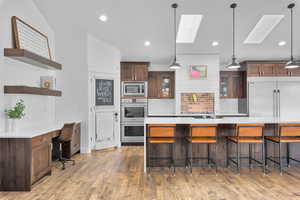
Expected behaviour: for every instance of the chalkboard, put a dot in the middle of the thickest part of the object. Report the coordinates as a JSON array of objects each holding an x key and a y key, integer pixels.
[{"x": 104, "y": 92}]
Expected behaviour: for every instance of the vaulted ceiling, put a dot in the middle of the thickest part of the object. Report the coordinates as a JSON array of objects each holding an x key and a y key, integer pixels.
[{"x": 132, "y": 22}]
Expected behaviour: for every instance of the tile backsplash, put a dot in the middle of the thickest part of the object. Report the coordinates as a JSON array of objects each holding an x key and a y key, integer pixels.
[{"x": 197, "y": 103}]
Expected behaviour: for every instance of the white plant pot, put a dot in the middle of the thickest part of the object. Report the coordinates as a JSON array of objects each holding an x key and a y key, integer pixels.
[{"x": 11, "y": 125}]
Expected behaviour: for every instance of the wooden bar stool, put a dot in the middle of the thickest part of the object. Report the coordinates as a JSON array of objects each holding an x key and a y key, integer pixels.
[
  {"x": 201, "y": 134},
  {"x": 246, "y": 134},
  {"x": 161, "y": 134},
  {"x": 287, "y": 133}
]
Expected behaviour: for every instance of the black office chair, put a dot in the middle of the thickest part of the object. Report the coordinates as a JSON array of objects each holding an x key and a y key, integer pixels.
[{"x": 65, "y": 136}]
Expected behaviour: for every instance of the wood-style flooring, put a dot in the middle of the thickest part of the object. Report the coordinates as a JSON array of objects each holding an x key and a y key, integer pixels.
[{"x": 118, "y": 174}]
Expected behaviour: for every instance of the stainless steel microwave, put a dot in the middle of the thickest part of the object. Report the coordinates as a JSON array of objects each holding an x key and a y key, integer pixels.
[{"x": 134, "y": 88}]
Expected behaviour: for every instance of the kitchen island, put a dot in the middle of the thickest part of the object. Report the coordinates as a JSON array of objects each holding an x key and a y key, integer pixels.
[{"x": 226, "y": 127}]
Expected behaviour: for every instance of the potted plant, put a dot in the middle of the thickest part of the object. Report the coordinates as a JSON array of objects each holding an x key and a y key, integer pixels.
[{"x": 15, "y": 113}]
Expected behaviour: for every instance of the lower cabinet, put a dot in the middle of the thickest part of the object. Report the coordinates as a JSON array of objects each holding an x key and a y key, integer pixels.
[
  {"x": 41, "y": 157},
  {"x": 23, "y": 161}
]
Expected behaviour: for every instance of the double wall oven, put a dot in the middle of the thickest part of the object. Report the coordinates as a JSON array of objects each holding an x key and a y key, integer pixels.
[{"x": 132, "y": 120}]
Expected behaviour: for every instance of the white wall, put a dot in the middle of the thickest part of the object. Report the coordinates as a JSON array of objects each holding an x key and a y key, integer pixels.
[
  {"x": 39, "y": 109},
  {"x": 185, "y": 84},
  {"x": 103, "y": 61},
  {"x": 73, "y": 79}
]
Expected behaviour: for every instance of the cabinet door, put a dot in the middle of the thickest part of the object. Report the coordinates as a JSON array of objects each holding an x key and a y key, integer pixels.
[
  {"x": 153, "y": 90},
  {"x": 267, "y": 70},
  {"x": 127, "y": 72},
  {"x": 238, "y": 85},
  {"x": 224, "y": 85},
  {"x": 281, "y": 70},
  {"x": 253, "y": 70},
  {"x": 140, "y": 72},
  {"x": 166, "y": 87},
  {"x": 41, "y": 159}
]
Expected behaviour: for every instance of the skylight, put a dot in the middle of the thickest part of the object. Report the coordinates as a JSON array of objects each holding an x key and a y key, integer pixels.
[
  {"x": 188, "y": 28},
  {"x": 263, "y": 28}
]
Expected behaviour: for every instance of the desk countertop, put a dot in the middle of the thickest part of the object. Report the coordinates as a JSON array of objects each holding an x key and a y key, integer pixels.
[{"x": 33, "y": 131}]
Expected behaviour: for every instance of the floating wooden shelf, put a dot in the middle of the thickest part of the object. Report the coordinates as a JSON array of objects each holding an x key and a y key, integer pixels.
[
  {"x": 32, "y": 58},
  {"x": 31, "y": 90}
]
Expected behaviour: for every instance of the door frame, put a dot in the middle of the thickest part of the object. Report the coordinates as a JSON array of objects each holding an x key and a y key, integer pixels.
[{"x": 93, "y": 75}]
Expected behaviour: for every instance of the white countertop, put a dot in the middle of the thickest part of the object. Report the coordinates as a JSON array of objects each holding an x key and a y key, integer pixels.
[
  {"x": 228, "y": 120},
  {"x": 33, "y": 131}
]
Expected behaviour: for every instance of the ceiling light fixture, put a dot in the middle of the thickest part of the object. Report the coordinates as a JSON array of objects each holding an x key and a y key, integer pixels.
[
  {"x": 282, "y": 43},
  {"x": 147, "y": 43},
  {"x": 103, "y": 18},
  {"x": 234, "y": 64},
  {"x": 291, "y": 64},
  {"x": 215, "y": 43},
  {"x": 174, "y": 64}
]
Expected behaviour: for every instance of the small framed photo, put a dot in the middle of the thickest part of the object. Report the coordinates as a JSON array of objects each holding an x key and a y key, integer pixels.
[
  {"x": 47, "y": 82},
  {"x": 198, "y": 71}
]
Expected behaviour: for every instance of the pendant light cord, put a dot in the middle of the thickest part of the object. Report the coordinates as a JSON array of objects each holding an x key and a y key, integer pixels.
[
  {"x": 292, "y": 57},
  {"x": 233, "y": 35},
  {"x": 175, "y": 28}
]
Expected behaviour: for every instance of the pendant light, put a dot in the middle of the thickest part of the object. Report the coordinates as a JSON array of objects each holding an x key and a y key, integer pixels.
[
  {"x": 234, "y": 64},
  {"x": 291, "y": 64},
  {"x": 174, "y": 64}
]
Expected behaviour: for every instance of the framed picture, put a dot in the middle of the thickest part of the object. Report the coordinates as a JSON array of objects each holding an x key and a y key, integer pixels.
[
  {"x": 104, "y": 92},
  {"x": 48, "y": 82},
  {"x": 29, "y": 38},
  {"x": 198, "y": 71}
]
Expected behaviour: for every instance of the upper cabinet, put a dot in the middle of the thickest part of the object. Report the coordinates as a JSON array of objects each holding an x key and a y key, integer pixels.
[
  {"x": 134, "y": 71},
  {"x": 233, "y": 84},
  {"x": 268, "y": 69},
  {"x": 161, "y": 85}
]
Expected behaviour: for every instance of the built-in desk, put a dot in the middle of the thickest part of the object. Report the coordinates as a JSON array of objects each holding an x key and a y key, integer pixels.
[
  {"x": 26, "y": 157},
  {"x": 225, "y": 128}
]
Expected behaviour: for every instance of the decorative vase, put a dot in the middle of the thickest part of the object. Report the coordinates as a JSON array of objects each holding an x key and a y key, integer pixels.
[{"x": 11, "y": 125}]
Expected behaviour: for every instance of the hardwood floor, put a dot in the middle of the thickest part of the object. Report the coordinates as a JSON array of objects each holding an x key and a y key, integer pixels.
[{"x": 118, "y": 174}]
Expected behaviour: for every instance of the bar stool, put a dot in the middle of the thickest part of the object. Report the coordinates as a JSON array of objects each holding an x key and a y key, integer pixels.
[
  {"x": 246, "y": 134},
  {"x": 161, "y": 134},
  {"x": 287, "y": 133},
  {"x": 201, "y": 134}
]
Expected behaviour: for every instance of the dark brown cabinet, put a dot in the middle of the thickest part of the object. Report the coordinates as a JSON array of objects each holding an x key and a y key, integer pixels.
[
  {"x": 41, "y": 157},
  {"x": 134, "y": 71},
  {"x": 268, "y": 69},
  {"x": 161, "y": 84},
  {"x": 233, "y": 84}
]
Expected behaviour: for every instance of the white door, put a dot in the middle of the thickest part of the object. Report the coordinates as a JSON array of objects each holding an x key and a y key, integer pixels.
[
  {"x": 289, "y": 100},
  {"x": 104, "y": 110},
  {"x": 262, "y": 100}
]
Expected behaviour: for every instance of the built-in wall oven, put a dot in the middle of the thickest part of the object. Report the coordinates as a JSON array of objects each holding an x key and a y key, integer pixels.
[
  {"x": 132, "y": 132},
  {"x": 132, "y": 119},
  {"x": 134, "y": 89}
]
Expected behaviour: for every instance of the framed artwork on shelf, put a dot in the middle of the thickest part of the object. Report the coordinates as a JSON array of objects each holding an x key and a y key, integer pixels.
[
  {"x": 48, "y": 82},
  {"x": 198, "y": 71},
  {"x": 29, "y": 38}
]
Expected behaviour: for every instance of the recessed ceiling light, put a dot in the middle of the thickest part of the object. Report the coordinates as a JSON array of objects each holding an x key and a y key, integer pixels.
[
  {"x": 263, "y": 28},
  {"x": 188, "y": 28},
  {"x": 215, "y": 43},
  {"x": 103, "y": 18},
  {"x": 281, "y": 43},
  {"x": 147, "y": 43}
]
